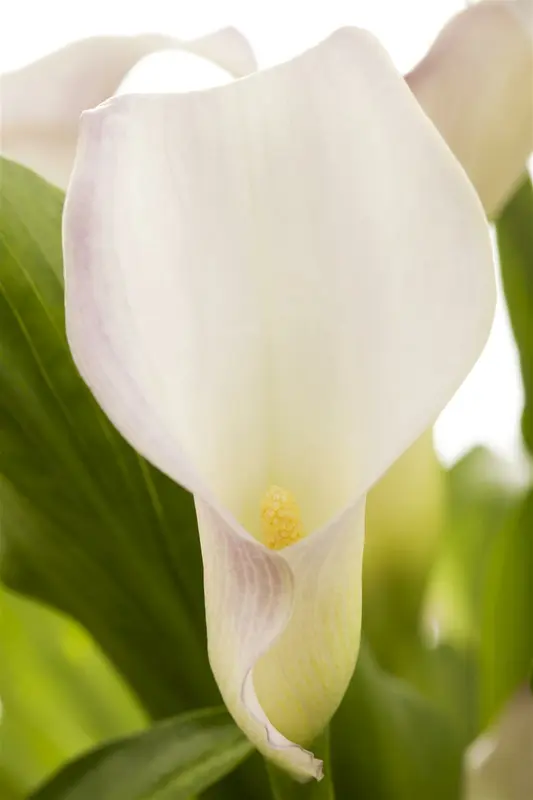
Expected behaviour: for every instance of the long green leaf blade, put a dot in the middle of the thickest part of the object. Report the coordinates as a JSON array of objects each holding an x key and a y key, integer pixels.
[
  {"x": 175, "y": 759},
  {"x": 506, "y": 647},
  {"x": 515, "y": 244},
  {"x": 76, "y": 499}
]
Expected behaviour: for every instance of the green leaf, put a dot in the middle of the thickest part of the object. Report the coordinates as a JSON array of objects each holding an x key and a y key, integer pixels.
[
  {"x": 88, "y": 526},
  {"x": 481, "y": 498},
  {"x": 8, "y": 789},
  {"x": 515, "y": 243},
  {"x": 173, "y": 760},
  {"x": 285, "y": 788},
  {"x": 404, "y": 521},
  {"x": 58, "y": 694},
  {"x": 389, "y": 743},
  {"x": 506, "y": 650},
  {"x": 77, "y": 501}
]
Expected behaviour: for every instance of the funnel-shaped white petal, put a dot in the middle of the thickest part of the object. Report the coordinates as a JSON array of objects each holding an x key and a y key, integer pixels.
[
  {"x": 476, "y": 84},
  {"x": 42, "y": 102},
  {"x": 279, "y": 281}
]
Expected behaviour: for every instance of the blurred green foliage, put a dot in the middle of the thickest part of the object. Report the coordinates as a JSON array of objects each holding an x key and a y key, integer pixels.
[
  {"x": 405, "y": 518},
  {"x": 389, "y": 742},
  {"x": 514, "y": 229},
  {"x": 506, "y": 629},
  {"x": 59, "y": 694}
]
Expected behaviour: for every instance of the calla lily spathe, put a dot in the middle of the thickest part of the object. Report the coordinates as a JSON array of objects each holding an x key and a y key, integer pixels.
[
  {"x": 476, "y": 85},
  {"x": 278, "y": 282}
]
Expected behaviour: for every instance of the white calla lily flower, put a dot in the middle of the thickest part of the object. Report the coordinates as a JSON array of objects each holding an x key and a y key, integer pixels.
[
  {"x": 273, "y": 287},
  {"x": 476, "y": 84},
  {"x": 41, "y": 103}
]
